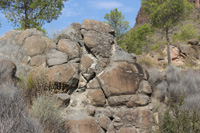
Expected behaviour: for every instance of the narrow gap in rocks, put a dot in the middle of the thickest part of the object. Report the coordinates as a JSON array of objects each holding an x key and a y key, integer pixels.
[
  {"x": 104, "y": 129},
  {"x": 101, "y": 88},
  {"x": 91, "y": 78},
  {"x": 89, "y": 51},
  {"x": 111, "y": 118}
]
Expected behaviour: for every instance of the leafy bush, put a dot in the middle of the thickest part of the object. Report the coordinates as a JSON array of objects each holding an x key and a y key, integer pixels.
[
  {"x": 182, "y": 89},
  {"x": 46, "y": 110},
  {"x": 187, "y": 32},
  {"x": 176, "y": 119},
  {"x": 14, "y": 118},
  {"x": 137, "y": 40},
  {"x": 154, "y": 47}
]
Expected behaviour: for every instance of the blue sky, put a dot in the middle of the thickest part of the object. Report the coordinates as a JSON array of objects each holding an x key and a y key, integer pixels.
[{"x": 78, "y": 10}]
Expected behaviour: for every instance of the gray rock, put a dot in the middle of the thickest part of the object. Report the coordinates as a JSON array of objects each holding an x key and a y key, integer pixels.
[
  {"x": 69, "y": 47},
  {"x": 56, "y": 58},
  {"x": 120, "y": 55},
  {"x": 64, "y": 99},
  {"x": 71, "y": 32}
]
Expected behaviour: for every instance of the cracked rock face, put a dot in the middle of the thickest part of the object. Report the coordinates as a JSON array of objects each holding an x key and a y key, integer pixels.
[{"x": 109, "y": 91}]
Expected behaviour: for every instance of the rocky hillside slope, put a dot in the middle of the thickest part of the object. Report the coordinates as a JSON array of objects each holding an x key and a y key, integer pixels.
[
  {"x": 106, "y": 90},
  {"x": 142, "y": 18}
]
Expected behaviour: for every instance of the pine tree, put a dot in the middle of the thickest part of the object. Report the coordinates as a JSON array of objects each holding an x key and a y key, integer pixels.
[
  {"x": 116, "y": 20},
  {"x": 28, "y": 14},
  {"x": 165, "y": 14}
]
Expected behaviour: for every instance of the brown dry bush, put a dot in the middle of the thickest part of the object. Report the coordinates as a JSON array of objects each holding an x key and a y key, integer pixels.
[{"x": 13, "y": 114}]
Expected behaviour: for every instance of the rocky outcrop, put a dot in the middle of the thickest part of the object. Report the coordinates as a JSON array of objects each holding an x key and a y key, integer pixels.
[
  {"x": 106, "y": 91},
  {"x": 27, "y": 49}
]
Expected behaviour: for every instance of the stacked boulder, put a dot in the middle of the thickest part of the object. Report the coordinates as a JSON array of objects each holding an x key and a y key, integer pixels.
[{"x": 109, "y": 91}]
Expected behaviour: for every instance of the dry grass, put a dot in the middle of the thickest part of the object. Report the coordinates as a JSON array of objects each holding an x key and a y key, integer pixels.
[
  {"x": 13, "y": 116},
  {"x": 46, "y": 110}
]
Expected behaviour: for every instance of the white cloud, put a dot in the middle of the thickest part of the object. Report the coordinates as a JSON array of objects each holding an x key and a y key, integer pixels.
[
  {"x": 68, "y": 12},
  {"x": 105, "y": 4}
]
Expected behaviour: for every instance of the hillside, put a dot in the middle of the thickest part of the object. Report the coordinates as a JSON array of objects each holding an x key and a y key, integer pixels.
[{"x": 184, "y": 54}]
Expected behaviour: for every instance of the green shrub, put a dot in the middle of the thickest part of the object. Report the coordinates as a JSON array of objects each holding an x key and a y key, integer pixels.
[
  {"x": 177, "y": 119},
  {"x": 46, "y": 110},
  {"x": 187, "y": 32},
  {"x": 137, "y": 40},
  {"x": 154, "y": 47},
  {"x": 33, "y": 86}
]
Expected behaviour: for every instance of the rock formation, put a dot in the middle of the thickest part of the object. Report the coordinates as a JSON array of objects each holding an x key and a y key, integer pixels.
[{"x": 109, "y": 91}]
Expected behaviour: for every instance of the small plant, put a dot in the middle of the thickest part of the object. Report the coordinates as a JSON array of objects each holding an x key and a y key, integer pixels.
[
  {"x": 154, "y": 77},
  {"x": 46, "y": 110},
  {"x": 154, "y": 47},
  {"x": 33, "y": 86}
]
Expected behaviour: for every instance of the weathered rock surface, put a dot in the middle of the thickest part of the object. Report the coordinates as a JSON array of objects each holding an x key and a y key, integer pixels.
[
  {"x": 69, "y": 47},
  {"x": 63, "y": 99},
  {"x": 7, "y": 71},
  {"x": 72, "y": 32},
  {"x": 97, "y": 97},
  {"x": 56, "y": 57},
  {"x": 66, "y": 73},
  {"x": 106, "y": 90},
  {"x": 34, "y": 45},
  {"x": 121, "y": 78},
  {"x": 88, "y": 125}
]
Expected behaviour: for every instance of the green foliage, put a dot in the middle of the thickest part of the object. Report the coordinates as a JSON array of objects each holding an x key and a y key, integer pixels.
[
  {"x": 154, "y": 47},
  {"x": 137, "y": 40},
  {"x": 116, "y": 20},
  {"x": 33, "y": 86},
  {"x": 31, "y": 13},
  {"x": 187, "y": 32},
  {"x": 166, "y": 13},
  {"x": 176, "y": 119},
  {"x": 46, "y": 110}
]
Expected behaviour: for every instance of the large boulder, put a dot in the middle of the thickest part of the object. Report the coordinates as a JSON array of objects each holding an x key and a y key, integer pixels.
[
  {"x": 89, "y": 24},
  {"x": 72, "y": 32},
  {"x": 7, "y": 71},
  {"x": 34, "y": 45},
  {"x": 97, "y": 97},
  {"x": 121, "y": 78},
  {"x": 69, "y": 47},
  {"x": 87, "y": 125},
  {"x": 56, "y": 57},
  {"x": 99, "y": 39},
  {"x": 66, "y": 73},
  {"x": 139, "y": 117},
  {"x": 129, "y": 100}
]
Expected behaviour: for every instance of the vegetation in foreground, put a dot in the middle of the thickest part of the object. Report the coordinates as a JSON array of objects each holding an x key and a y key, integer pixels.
[
  {"x": 179, "y": 90},
  {"x": 42, "y": 115}
]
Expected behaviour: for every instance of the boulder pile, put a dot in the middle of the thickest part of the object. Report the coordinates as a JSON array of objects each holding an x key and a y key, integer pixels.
[{"x": 109, "y": 91}]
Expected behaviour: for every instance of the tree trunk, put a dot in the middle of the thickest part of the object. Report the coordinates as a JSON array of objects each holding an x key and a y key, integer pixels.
[
  {"x": 168, "y": 47},
  {"x": 27, "y": 26}
]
